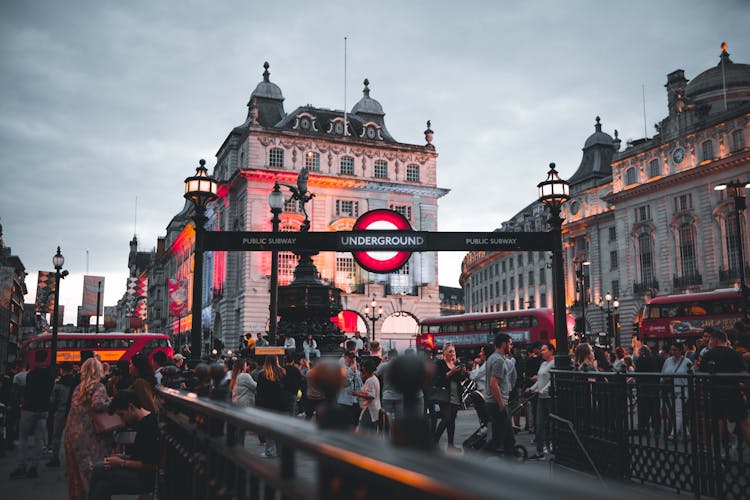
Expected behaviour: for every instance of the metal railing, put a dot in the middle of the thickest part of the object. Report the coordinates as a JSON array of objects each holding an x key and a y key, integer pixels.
[
  {"x": 645, "y": 286},
  {"x": 687, "y": 280},
  {"x": 731, "y": 276},
  {"x": 686, "y": 432},
  {"x": 204, "y": 457}
]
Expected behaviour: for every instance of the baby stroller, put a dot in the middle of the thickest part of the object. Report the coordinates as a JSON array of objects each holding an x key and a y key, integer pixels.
[{"x": 478, "y": 438}]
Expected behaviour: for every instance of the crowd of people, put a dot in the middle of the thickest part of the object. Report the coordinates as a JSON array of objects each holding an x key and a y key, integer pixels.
[{"x": 64, "y": 412}]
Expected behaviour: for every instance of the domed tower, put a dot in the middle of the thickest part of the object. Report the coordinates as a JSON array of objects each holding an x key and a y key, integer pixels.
[
  {"x": 597, "y": 158},
  {"x": 722, "y": 86},
  {"x": 368, "y": 110},
  {"x": 266, "y": 104}
]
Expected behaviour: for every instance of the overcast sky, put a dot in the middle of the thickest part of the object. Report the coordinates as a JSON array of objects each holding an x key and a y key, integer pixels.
[{"x": 106, "y": 101}]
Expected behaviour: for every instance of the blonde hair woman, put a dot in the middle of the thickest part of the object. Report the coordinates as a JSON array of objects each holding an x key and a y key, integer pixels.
[{"x": 83, "y": 447}]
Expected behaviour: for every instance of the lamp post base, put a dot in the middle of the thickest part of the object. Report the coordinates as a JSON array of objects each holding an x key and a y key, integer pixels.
[{"x": 563, "y": 362}]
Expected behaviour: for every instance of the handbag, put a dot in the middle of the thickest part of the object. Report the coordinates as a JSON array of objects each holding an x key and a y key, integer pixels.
[
  {"x": 104, "y": 423},
  {"x": 440, "y": 395}
]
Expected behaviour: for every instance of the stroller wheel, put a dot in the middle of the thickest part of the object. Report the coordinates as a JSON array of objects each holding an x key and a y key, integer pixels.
[{"x": 520, "y": 453}]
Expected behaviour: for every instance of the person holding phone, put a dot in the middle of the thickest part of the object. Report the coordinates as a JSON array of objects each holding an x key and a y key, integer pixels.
[{"x": 134, "y": 473}]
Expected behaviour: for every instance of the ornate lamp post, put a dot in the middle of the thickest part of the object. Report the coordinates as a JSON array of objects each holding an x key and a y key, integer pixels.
[
  {"x": 201, "y": 190},
  {"x": 276, "y": 202},
  {"x": 373, "y": 316},
  {"x": 734, "y": 189},
  {"x": 610, "y": 307},
  {"x": 553, "y": 192},
  {"x": 57, "y": 260}
]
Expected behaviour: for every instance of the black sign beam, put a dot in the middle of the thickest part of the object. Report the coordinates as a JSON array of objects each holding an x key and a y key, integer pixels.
[{"x": 352, "y": 241}]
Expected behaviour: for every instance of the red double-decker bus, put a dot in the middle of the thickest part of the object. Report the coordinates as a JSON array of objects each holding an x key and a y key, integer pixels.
[
  {"x": 684, "y": 316},
  {"x": 111, "y": 347},
  {"x": 468, "y": 332}
]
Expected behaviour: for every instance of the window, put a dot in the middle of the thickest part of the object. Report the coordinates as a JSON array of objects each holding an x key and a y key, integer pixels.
[
  {"x": 531, "y": 278},
  {"x": 683, "y": 202},
  {"x": 653, "y": 168},
  {"x": 581, "y": 245},
  {"x": 512, "y": 283},
  {"x": 630, "y": 176},
  {"x": 733, "y": 243},
  {"x": 542, "y": 300},
  {"x": 738, "y": 141},
  {"x": 347, "y": 208},
  {"x": 381, "y": 169},
  {"x": 510, "y": 263},
  {"x": 346, "y": 165},
  {"x": 276, "y": 157},
  {"x": 613, "y": 264},
  {"x": 687, "y": 250},
  {"x": 405, "y": 210},
  {"x": 502, "y": 264},
  {"x": 530, "y": 257},
  {"x": 412, "y": 173},
  {"x": 643, "y": 213},
  {"x": 520, "y": 281},
  {"x": 312, "y": 161},
  {"x": 520, "y": 260},
  {"x": 293, "y": 206},
  {"x": 707, "y": 151},
  {"x": 497, "y": 288},
  {"x": 612, "y": 234},
  {"x": 542, "y": 276},
  {"x": 646, "y": 258},
  {"x": 505, "y": 287},
  {"x": 615, "y": 288}
]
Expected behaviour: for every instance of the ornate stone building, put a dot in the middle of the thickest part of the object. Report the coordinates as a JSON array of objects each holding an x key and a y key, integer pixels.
[
  {"x": 646, "y": 219},
  {"x": 355, "y": 165}
]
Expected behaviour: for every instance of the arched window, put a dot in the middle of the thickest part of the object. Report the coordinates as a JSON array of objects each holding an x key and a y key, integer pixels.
[
  {"x": 630, "y": 176},
  {"x": 276, "y": 157},
  {"x": 707, "y": 150},
  {"x": 646, "y": 259},
  {"x": 733, "y": 243},
  {"x": 688, "y": 265},
  {"x": 312, "y": 161},
  {"x": 287, "y": 260},
  {"x": 653, "y": 168},
  {"x": 346, "y": 165}
]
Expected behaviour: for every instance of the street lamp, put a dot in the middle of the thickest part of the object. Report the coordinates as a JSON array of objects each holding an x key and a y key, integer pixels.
[
  {"x": 610, "y": 307},
  {"x": 201, "y": 190},
  {"x": 57, "y": 260},
  {"x": 734, "y": 189},
  {"x": 553, "y": 192},
  {"x": 276, "y": 202},
  {"x": 583, "y": 295},
  {"x": 373, "y": 316}
]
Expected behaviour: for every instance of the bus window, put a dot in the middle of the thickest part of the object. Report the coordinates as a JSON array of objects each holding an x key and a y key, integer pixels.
[
  {"x": 695, "y": 309},
  {"x": 534, "y": 321},
  {"x": 433, "y": 329},
  {"x": 519, "y": 322}
]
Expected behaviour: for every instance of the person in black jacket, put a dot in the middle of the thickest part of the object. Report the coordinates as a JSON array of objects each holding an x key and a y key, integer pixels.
[
  {"x": 648, "y": 390},
  {"x": 448, "y": 375},
  {"x": 62, "y": 392},
  {"x": 271, "y": 394},
  {"x": 34, "y": 410}
]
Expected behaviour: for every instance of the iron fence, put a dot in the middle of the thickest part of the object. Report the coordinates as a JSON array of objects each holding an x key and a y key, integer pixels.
[
  {"x": 687, "y": 432},
  {"x": 203, "y": 456}
]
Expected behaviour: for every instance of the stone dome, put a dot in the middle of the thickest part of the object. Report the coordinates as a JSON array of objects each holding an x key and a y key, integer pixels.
[
  {"x": 735, "y": 75},
  {"x": 267, "y": 88},
  {"x": 598, "y": 137},
  {"x": 367, "y": 105}
]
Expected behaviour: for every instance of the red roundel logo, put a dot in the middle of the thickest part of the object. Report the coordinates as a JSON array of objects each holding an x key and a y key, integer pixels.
[{"x": 384, "y": 220}]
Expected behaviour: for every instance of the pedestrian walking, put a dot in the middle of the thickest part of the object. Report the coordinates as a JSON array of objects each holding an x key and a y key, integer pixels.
[
  {"x": 62, "y": 393},
  {"x": 370, "y": 397},
  {"x": 541, "y": 386},
  {"x": 496, "y": 396},
  {"x": 34, "y": 410},
  {"x": 271, "y": 395},
  {"x": 242, "y": 384}
]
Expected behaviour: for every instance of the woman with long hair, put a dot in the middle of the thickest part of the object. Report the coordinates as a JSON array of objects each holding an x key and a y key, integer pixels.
[
  {"x": 241, "y": 384},
  {"x": 144, "y": 382},
  {"x": 83, "y": 446},
  {"x": 271, "y": 394},
  {"x": 448, "y": 375},
  {"x": 584, "y": 358}
]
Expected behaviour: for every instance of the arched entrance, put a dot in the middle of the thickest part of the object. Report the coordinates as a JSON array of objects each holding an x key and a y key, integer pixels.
[{"x": 398, "y": 331}]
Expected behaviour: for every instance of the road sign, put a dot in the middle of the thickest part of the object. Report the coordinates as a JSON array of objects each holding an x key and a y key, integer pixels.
[{"x": 382, "y": 261}]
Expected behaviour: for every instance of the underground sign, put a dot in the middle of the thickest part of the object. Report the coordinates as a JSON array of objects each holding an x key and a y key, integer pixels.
[{"x": 382, "y": 261}]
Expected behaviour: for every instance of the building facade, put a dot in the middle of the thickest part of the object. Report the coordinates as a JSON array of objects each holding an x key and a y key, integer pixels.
[
  {"x": 644, "y": 220},
  {"x": 354, "y": 166},
  {"x": 12, "y": 291}
]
